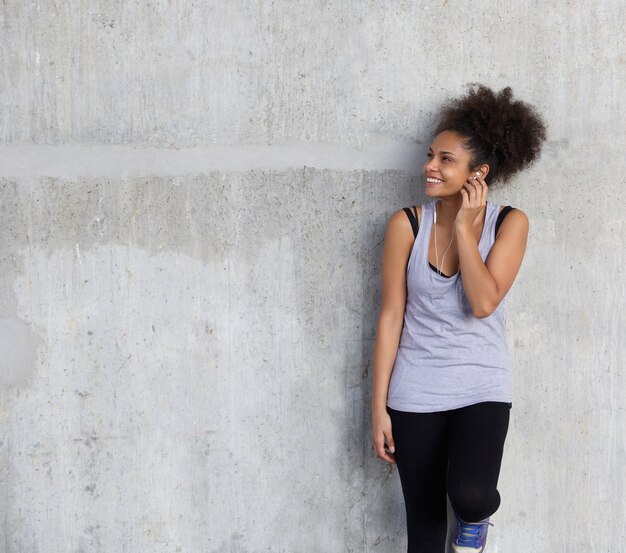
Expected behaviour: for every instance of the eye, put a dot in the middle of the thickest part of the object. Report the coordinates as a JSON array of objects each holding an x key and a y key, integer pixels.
[{"x": 447, "y": 158}]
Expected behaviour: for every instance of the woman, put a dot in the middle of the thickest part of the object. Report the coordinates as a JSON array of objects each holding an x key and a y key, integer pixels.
[{"x": 442, "y": 392}]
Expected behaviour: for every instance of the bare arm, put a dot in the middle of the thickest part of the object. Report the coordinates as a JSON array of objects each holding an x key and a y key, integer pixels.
[
  {"x": 485, "y": 284},
  {"x": 397, "y": 247}
]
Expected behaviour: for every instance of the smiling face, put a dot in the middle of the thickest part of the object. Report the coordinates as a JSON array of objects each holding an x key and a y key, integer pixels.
[{"x": 448, "y": 163}]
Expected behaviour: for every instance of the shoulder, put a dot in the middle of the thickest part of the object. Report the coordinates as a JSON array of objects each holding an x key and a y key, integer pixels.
[
  {"x": 400, "y": 218},
  {"x": 415, "y": 210},
  {"x": 399, "y": 230},
  {"x": 399, "y": 223},
  {"x": 515, "y": 222}
]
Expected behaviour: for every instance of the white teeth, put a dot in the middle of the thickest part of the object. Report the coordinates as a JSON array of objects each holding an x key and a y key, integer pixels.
[{"x": 429, "y": 179}]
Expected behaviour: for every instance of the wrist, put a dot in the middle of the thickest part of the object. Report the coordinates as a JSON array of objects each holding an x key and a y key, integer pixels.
[
  {"x": 462, "y": 228},
  {"x": 464, "y": 232},
  {"x": 379, "y": 406}
]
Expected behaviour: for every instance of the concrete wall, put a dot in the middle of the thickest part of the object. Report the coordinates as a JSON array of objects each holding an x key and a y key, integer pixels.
[{"x": 193, "y": 198}]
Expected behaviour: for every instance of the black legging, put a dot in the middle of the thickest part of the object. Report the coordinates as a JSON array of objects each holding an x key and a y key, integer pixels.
[{"x": 457, "y": 451}]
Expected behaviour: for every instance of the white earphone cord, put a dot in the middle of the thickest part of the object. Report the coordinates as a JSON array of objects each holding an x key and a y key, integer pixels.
[{"x": 444, "y": 253}]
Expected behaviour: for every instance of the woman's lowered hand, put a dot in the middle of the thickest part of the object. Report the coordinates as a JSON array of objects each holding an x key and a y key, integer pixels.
[{"x": 382, "y": 438}]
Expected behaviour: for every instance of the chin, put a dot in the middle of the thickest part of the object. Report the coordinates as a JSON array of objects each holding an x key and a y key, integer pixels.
[{"x": 432, "y": 191}]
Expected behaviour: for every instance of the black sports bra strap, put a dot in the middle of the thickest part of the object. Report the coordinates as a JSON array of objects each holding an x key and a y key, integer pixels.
[
  {"x": 501, "y": 217},
  {"x": 413, "y": 218}
]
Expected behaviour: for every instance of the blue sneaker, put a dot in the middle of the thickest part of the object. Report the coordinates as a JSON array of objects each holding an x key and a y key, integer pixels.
[{"x": 470, "y": 537}]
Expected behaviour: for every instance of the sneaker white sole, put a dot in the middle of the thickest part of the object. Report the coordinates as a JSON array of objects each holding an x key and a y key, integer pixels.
[{"x": 460, "y": 549}]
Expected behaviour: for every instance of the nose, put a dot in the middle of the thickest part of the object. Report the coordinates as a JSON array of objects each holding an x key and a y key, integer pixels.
[{"x": 430, "y": 166}]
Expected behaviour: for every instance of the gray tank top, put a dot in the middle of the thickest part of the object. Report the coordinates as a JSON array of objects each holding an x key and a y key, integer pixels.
[{"x": 448, "y": 358}]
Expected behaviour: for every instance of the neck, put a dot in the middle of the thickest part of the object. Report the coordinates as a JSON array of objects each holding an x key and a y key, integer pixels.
[{"x": 448, "y": 208}]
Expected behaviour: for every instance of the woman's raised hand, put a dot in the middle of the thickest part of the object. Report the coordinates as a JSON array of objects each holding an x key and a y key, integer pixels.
[
  {"x": 381, "y": 437},
  {"x": 474, "y": 194}
]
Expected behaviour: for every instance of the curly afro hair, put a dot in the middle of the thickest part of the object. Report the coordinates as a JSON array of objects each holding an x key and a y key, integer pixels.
[{"x": 507, "y": 135}]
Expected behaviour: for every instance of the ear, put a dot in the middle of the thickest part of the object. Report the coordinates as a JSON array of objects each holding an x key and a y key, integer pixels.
[{"x": 483, "y": 169}]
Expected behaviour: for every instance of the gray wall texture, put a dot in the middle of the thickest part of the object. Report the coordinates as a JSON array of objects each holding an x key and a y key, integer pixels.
[{"x": 193, "y": 197}]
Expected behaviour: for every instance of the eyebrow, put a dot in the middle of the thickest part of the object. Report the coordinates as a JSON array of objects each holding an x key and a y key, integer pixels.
[{"x": 452, "y": 153}]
